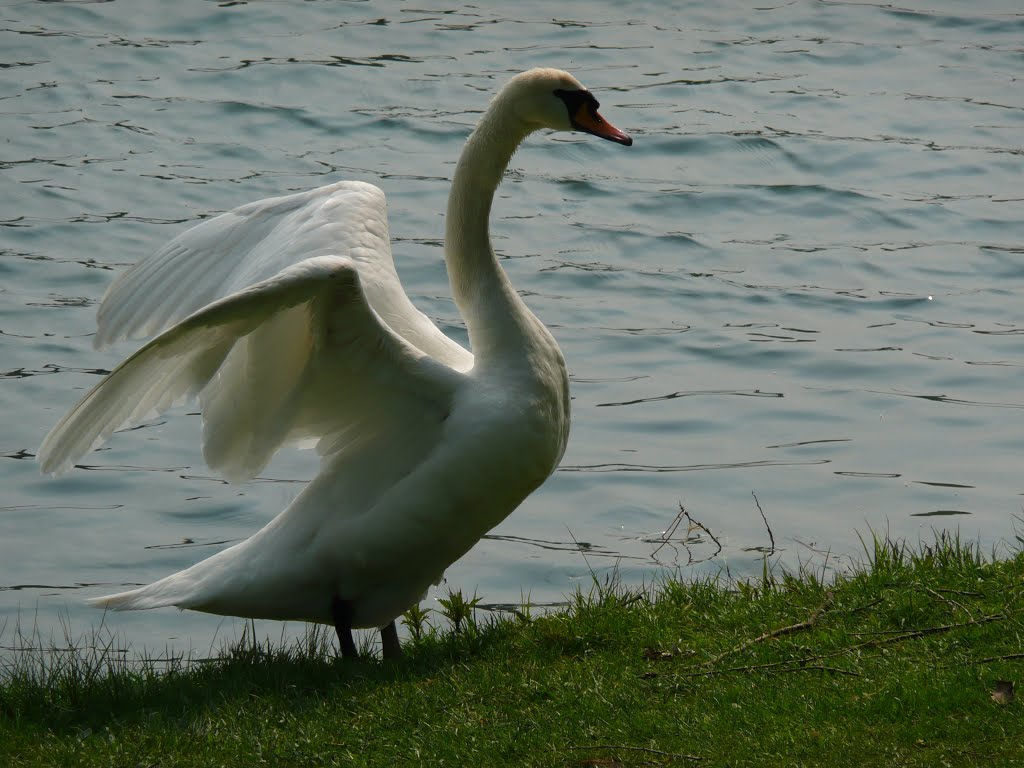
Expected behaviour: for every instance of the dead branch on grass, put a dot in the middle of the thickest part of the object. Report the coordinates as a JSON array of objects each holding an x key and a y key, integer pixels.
[
  {"x": 947, "y": 600},
  {"x": 809, "y": 622},
  {"x": 815, "y": 661},
  {"x": 645, "y": 750},
  {"x": 790, "y": 665},
  {"x": 915, "y": 633},
  {"x": 990, "y": 659}
]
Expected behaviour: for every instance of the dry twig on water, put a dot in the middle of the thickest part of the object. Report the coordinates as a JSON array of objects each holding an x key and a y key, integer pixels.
[{"x": 771, "y": 536}]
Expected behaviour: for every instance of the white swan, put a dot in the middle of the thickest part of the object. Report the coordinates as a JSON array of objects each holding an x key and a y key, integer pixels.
[{"x": 287, "y": 319}]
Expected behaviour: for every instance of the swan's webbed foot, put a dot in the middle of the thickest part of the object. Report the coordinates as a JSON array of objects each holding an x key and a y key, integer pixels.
[
  {"x": 341, "y": 612},
  {"x": 390, "y": 647}
]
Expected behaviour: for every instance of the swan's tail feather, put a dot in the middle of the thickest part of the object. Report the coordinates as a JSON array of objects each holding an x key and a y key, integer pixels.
[{"x": 153, "y": 596}]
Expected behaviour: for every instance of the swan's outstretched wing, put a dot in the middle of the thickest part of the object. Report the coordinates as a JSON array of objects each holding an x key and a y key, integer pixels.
[
  {"x": 301, "y": 354},
  {"x": 244, "y": 246}
]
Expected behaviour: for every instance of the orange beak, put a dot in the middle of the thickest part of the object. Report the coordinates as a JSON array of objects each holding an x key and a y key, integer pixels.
[{"x": 587, "y": 119}]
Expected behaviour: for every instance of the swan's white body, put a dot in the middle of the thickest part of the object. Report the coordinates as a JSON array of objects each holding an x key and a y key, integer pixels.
[{"x": 288, "y": 321}]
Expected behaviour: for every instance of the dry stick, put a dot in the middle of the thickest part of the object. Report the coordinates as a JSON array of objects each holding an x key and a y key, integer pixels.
[
  {"x": 931, "y": 631},
  {"x": 672, "y": 528},
  {"x": 793, "y": 665},
  {"x": 771, "y": 536},
  {"x": 807, "y": 624},
  {"x": 699, "y": 524},
  {"x": 990, "y": 659},
  {"x": 823, "y": 668},
  {"x": 670, "y": 532},
  {"x": 959, "y": 592},
  {"x": 790, "y": 665},
  {"x": 647, "y": 750},
  {"x": 859, "y": 608},
  {"x": 918, "y": 633},
  {"x": 666, "y": 537},
  {"x": 913, "y": 634},
  {"x": 874, "y": 632},
  {"x": 946, "y": 600}
]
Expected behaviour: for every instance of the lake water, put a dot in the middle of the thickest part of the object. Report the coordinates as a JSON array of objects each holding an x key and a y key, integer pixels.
[{"x": 804, "y": 281}]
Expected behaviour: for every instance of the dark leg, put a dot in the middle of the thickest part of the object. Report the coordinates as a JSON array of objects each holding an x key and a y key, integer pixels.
[
  {"x": 390, "y": 646},
  {"x": 341, "y": 612}
]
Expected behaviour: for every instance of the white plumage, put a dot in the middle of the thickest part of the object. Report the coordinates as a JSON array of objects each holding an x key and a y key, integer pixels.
[{"x": 287, "y": 320}]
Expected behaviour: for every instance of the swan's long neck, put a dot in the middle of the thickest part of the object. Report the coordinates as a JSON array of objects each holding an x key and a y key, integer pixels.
[{"x": 497, "y": 319}]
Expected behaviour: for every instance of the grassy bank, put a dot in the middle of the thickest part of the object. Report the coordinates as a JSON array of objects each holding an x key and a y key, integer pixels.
[{"x": 895, "y": 664}]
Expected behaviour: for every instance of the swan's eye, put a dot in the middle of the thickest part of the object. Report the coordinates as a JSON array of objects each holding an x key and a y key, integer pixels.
[{"x": 577, "y": 100}]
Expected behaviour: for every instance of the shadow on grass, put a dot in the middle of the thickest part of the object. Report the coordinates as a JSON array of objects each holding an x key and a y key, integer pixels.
[{"x": 93, "y": 683}]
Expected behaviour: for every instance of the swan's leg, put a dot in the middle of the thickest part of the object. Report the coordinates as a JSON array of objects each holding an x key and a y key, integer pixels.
[
  {"x": 390, "y": 646},
  {"x": 341, "y": 612}
]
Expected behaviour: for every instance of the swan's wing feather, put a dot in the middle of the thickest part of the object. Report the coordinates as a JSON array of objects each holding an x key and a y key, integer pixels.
[
  {"x": 301, "y": 354},
  {"x": 235, "y": 249},
  {"x": 244, "y": 246}
]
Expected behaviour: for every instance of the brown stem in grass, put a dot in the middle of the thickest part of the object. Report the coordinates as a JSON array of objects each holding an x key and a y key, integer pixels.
[
  {"x": 807, "y": 662},
  {"x": 990, "y": 659},
  {"x": 911, "y": 634},
  {"x": 801, "y": 625},
  {"x": 645, "y": 750},
  {"x": 797, "y": 665}
]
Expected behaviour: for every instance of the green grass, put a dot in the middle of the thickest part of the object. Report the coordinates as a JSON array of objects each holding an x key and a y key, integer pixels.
[{"x": 892, "y": 665}]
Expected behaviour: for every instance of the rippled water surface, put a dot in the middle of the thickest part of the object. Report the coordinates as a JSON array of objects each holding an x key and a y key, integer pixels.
[{"x": 804, "y": 280}]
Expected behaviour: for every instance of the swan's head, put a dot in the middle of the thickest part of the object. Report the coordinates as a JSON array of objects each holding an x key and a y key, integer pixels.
[{"x": 551, "y": 98}]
